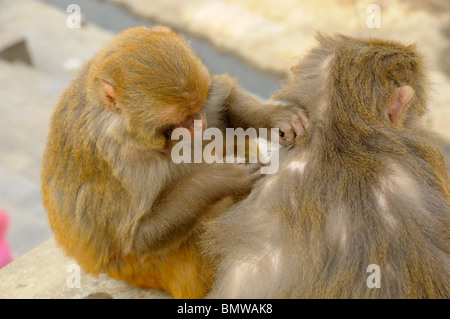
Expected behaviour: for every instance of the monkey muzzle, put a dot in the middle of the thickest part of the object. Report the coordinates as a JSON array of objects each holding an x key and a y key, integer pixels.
[{"x": 195, "y": 123}]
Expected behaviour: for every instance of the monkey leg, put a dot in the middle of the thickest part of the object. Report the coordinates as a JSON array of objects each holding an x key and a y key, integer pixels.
[{"x": 183, "y": 272}]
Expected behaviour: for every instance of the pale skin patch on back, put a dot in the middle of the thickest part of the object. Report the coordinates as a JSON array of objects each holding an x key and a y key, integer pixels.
[
  {"x": 337, "y": 226},
  {"x": 256, "y": 265},
  {"x": 269, "y": 184},
  {"x": 400, "y": 185},
  {"x": 298, "y": 165},
  {"x": 239, "y": 274},
  {"x": 390, "y": 220},
  {"x": 248, "y": 271}
]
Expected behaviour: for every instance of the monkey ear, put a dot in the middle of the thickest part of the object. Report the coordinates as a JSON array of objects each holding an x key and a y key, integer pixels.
[
  {"x": 399, "y": 100},
  {"x": 109, "y": 97}
]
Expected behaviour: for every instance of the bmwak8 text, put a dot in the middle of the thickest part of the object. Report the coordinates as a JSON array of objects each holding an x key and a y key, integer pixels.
[{"x": 246, "y": 308}]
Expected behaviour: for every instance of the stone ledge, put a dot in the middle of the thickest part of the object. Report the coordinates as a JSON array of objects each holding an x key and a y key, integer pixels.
[{"x": 43, "y": 273}]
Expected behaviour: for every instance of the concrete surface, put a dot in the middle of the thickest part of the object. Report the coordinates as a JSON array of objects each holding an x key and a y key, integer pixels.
[{"x": 47, "y": 273}]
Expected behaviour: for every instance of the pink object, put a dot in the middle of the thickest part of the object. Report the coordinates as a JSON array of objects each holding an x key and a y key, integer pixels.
[{"x": 5, "y": 253}]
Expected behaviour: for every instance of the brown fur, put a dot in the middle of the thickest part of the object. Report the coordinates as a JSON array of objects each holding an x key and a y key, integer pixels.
[
  {"x": 115, "y": 200},
  {"x": 361, "y": 190}
]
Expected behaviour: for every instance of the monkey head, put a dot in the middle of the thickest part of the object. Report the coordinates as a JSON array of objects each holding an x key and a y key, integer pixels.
[
  {"x": 153, "y": 81},
  {"x": 356, "y": 80}
]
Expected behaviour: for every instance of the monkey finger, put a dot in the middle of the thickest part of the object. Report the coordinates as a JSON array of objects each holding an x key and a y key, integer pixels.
[
  {"x": 305, "y": 121},
  {"x": 287, "y": 136},
  {"x": 301, "y": 129},
  {"x": 255, "y": 176},
  {"x": 244, "y": 178},
  {"x": 298, "y": 129}
]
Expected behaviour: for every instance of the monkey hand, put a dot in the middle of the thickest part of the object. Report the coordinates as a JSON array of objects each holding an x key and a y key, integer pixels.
[
  {"x": 293, "y": 124},
  {"x": 240, "y": 178}
]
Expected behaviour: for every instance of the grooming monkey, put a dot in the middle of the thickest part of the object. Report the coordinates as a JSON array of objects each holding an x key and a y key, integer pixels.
[
  {"x": 115, "y": 200},
  {"x": 367, "y": 187}
]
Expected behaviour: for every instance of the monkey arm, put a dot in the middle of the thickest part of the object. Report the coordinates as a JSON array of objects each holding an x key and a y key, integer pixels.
[
  {"x": 179, "y": 208},
  {"x": 241, "y": 108},
  {"x": 244, "y": 110}
]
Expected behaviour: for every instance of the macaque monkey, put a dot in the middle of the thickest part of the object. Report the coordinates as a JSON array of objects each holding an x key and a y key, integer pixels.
[
  {"x": 360, "y": 206},
  {"x": 115, "y": 200}
]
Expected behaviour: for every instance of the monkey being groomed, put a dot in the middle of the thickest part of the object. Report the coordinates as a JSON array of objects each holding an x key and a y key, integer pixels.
[
  {"x": 367, "y": 190},
  {"x": 115, "y": 199}
]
